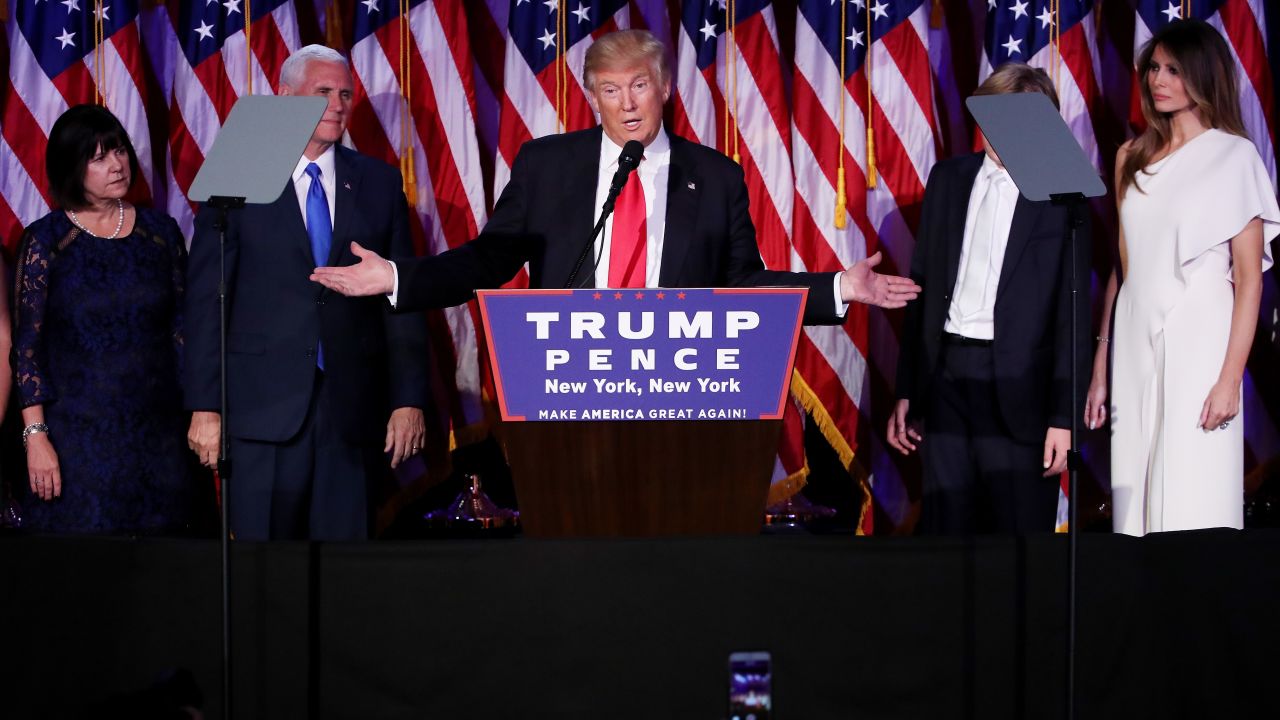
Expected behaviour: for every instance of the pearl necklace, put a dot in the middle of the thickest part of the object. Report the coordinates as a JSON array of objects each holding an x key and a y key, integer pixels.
[{"x": 75, "y": 220}]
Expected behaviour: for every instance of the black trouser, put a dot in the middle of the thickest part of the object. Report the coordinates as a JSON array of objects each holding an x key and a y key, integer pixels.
[
  {"x": 977, "y": 477},
  {"x": 312, "y": 486}
]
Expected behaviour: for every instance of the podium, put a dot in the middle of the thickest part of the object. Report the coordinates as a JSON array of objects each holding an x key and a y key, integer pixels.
[{"x": 639, "y": 413}]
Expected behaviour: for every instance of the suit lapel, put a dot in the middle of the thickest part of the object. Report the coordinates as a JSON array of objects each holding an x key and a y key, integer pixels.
[
  {"x": 580, "y": 216},
  {"x": 682, "y": 213},
  {"x": 346, "y": 185},
  {"x": 1024, "y": 218},
  {"x": 287, "y": 208},
  {"x": 958, "y": 212}
]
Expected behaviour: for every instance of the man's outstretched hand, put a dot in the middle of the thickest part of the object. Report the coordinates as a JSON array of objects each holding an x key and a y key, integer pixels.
[
  {"x": 860, "y": 283},
  {"x": 371, "y": 276}
]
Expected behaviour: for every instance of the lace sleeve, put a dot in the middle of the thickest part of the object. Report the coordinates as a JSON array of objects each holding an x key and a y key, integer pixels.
[{"x": 30, "y": 294}]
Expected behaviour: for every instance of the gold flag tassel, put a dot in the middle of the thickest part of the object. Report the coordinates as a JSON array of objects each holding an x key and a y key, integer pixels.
[
  {"x": 248, "y": 50},
  {"x": 1055, "y": 53},
  {"x": 406, "y": 115},
  {"x": 871, "y": 111},
  {"x": 841, "y": 220},
  {"x": 99, "y": 57},
  {"x": 562, "y": 61},
  {"x": 731, "y": 60},
  {"x": 333, "y": 30}
]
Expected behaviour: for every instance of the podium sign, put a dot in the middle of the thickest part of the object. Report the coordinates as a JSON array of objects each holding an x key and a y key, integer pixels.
[{"x": 647, "y": 354}]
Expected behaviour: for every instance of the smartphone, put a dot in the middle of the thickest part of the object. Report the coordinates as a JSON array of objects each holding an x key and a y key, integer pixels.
[{"x": 750, "y": 686}]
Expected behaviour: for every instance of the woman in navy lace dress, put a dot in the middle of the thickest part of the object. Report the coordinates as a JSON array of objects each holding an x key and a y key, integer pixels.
[{"x": 97, "y": 343}]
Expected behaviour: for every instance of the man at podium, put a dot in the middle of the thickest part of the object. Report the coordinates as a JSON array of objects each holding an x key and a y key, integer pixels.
[{"x": 682, "y": 220}]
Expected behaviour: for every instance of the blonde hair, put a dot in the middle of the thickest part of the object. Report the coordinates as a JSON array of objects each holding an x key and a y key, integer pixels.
[
  {"x": 625, "y": 49},
  {"x": 1016, "y": 77}
]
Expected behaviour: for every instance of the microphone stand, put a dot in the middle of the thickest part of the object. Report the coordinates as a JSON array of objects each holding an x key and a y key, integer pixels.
[
  {"x": 224, "y": 205},
  {"x": 1072, "y": 202},
  {"x": 605, "y": 211}
]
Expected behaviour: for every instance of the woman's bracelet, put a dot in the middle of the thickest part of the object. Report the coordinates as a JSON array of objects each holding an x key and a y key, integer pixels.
[
  {"x": 1103, "y": 339},
  {"x": 32, "y": 429}
]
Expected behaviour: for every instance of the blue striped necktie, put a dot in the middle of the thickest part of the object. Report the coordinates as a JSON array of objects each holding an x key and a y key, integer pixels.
[{"x": 319, "y": 229}]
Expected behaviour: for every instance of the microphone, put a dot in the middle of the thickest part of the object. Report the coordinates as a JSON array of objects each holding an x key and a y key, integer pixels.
[{"x": 628, "y": 161}]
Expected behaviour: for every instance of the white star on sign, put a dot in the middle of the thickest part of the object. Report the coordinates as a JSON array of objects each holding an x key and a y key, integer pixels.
[
  {"x": 858, "y": 4},
  {"x": 66, "y": 38},
  {"x": 232, "y": 6},
  {"x": 708, "y": 30},
  {"x": 72, "y": 5},
  {"x": 548, "y": 39},
  {"x": 881, "y": 10},
  {"x": 1046, "y": 18},
  {"x": 1013, "y": 46},
  {"x": 102, "y": 11},
  {"x": 205, "y": 31},
  {"x": 582, "y": 13},
  {"x": 370, "y": 6},
  {"x": 552, "y": 5},
  {"x": 855, "y": 38},
  {"x": 1173, "y": 12},
  {"x": 1019, "y": 9}
]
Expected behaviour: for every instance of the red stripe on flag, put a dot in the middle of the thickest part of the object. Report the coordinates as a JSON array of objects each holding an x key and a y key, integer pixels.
[
  {"x": 1242, "y": 30},
  {"x": 269, "y": 48},
  {"x": 185, "y": 156},
  {"x": 27, "y": 141},
  {"x": 10, "y": 227},
  {"x": 212, "y": 76},
  {"x": 512, "y": 132},
  {"x": 453, "y": 22},
  {"x": 912, "y": 59}
]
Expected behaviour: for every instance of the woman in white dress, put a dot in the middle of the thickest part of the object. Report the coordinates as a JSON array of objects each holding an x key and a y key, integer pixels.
[{"x": 1197, "y": 212}]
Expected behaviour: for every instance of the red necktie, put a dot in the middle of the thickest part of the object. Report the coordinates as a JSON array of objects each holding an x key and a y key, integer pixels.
[{"x": 627, "y": 259}]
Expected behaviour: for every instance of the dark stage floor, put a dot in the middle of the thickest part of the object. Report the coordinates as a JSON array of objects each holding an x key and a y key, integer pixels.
[{"x": 1178, "y": 625}]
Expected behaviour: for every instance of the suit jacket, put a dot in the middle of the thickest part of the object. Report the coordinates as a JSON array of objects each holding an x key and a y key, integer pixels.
[
  {"x": 547, "y": 211},
  {"x": 1032, "y": 343},
  {"x": 374, "y": 361}
]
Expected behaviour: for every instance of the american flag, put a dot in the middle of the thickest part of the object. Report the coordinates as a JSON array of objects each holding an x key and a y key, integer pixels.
[
  {"x": 416, "y": 107},
  {"x": 1243, "y": 23},
  {"x": 547, "y": 42},
  {"x": 844, "y": 366},
  {"x": 63, "y": 54},
  {"x": 731, "y": 95},
  {"x": 202, "y": 52},
  {"x": 1059, "y": 38}
]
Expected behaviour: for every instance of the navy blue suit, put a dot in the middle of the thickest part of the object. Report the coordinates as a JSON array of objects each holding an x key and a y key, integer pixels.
[
  {"x": 986, "y": 410},
  {"x": 374, "y": 361}
]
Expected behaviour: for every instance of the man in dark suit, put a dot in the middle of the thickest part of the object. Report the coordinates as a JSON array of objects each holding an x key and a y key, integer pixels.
[
  {"x": 984, "y": 370},
  {"x": 319, "y": 385},
  {"x": 682, "y": 219}
]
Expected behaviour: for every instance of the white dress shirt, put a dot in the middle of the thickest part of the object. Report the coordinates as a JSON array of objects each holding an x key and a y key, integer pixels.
[
  {"x": 975, "y": 278},
  {"x": 653, "y": 173}
]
